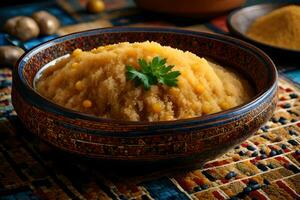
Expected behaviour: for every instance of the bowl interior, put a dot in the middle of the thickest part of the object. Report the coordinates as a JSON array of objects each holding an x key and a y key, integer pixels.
[
  {"x": 248, "y": 60},
  {"x": 242, "y": 19}
]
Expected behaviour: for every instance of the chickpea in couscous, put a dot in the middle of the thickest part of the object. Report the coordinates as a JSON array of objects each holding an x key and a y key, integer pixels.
[{"x": 95, "y": 82}]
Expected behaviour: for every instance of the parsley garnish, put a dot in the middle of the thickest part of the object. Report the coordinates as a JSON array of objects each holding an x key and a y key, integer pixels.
[{"x": 152, "y": 73}]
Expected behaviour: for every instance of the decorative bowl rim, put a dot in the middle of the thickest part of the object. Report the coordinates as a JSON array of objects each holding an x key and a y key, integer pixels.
[{"x": 222, "y": 117}]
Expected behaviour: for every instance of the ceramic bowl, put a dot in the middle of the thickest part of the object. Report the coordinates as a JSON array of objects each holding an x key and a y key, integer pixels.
[
  {"x": 240, "y": 20},
  {"x": 190, "y": 9},
  {"x": 198, "y": 138}
]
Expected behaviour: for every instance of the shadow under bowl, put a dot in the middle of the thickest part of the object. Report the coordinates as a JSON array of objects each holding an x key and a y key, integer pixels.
[{"x": 195, "y": 139}]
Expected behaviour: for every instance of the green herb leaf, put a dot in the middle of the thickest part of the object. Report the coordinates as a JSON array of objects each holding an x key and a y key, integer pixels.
[
  {"x": 138, "y": 77},
  {"x": 153, "y": 73}
]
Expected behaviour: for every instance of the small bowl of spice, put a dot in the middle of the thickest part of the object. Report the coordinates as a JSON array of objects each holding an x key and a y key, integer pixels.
[{"x": 273, "y": 27}]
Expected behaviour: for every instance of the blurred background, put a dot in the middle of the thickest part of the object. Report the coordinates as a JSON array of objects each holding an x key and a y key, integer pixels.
[{"x": 68, "y": 16}]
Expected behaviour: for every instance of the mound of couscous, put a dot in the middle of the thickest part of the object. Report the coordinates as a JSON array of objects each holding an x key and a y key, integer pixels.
[{"x": 94, "y": 82}]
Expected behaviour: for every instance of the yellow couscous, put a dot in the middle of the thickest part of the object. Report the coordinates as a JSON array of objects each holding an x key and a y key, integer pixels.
[{"x": 94, "y": 82}]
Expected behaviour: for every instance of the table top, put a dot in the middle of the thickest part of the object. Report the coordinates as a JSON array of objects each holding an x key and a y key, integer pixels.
[{"x": 266, "y": 166}]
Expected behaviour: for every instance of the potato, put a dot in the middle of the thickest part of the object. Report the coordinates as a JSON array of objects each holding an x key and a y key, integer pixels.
[
  {"x": 10, "y": 24},
  {"x": 47, "y": 22},
  {"x": 95, "y": 6},
  {"x": 22, "y": 27},
  {"x": 9, "y": 55}
]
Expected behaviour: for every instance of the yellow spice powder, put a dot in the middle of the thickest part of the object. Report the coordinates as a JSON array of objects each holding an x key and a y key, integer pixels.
[{"x": 279, "y": 28}]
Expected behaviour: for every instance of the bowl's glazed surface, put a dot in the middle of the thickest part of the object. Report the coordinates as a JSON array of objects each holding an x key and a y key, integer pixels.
[{"x": 200, "y": 138}]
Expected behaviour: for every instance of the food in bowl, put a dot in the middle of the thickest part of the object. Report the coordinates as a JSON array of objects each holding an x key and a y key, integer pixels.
[
  {"x": 279, "y": 28},
  {"x": 107, "y": 82}
]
